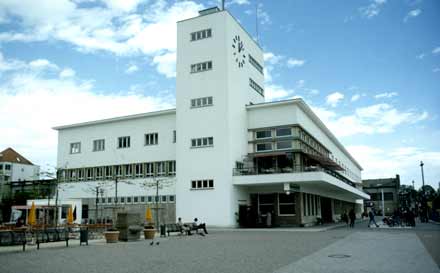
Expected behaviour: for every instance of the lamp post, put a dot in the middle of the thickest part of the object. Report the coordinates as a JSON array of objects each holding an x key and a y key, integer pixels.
[{"x": 425, "y": 209}]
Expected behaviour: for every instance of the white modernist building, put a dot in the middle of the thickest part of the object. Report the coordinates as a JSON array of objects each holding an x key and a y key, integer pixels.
[{"x": 224, "y": 155}]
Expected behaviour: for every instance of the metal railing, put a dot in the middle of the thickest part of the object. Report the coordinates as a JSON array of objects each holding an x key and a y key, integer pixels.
[{"x": 293, "y": 169}]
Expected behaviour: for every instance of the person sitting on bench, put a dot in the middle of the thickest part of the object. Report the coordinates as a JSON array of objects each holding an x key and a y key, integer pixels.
[
  {"x": 196, "y": 226},
  {"x": 182, "y": 227}
]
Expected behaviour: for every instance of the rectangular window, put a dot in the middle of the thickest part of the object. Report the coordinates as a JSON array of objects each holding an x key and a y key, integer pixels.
[
  {"x": 284, "y": 145},
  {"x": 264, "y": 147},
  {"x": 109, "y": 200},
  {"x": 388, "y": 196},
  {"x": 99, "y": 172},
  {"x": 128, "y": 171},
  {"x": 255, "y": 64},
  {"x": 139, "y": 170},
  {"x": 256, "y": 87},
  {"x": 124, "y": 142},
  {"x": 151, "y": 139},
  {"x": 283, "y": 132},
  {"x": 201, "y": 102},
  {"x": 142, "y": 199},
  {"x": 160, "y": 168},
  {"x": 98, "y": 145},
  {"x": 108, "y": 171},
  {"x": 263, "y": 134},
  {"x": 171, "y": 167},
  {"x": 89, "y": 173},
  {"x": 286, "y": 204},
  {"x": 174, "y": 136},
  {"x": 202, "y": 184},
  {"x": 201, "y": 67},
  {"x": 171, "y": 199},
  {"x": 149, "y": 169},
  {"x": 164, "y": 199},
  {"x": 128, "y": 199},
  {"x": 150, "y": 199},
  {"x": 122, "y": 199},
  {"x": 135, "y": 199},
  {"x": 75, "y": 148},
  {"x": 199, "y": 35},
  {"x": 202, "y": 142}
]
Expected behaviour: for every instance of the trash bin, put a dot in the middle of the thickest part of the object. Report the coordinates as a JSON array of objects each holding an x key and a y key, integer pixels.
[
  {"x": 162, "y": 231},
  {"x": 84, "y": 236}
]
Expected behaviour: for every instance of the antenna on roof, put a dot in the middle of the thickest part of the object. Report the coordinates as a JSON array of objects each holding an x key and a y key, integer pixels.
[
  {"x": 256, "y": 19},
  {"x": 223, "y": 4}
]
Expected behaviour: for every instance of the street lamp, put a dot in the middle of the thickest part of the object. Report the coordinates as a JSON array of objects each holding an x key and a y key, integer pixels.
[{"x": 425, "y": 207}]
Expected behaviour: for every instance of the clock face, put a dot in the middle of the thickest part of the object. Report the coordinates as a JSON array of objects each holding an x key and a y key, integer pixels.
[{"x": 238, "y": 51}]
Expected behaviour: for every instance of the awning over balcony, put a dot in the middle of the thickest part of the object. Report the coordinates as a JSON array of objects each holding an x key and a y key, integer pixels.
[{"x": 325, "y": 162}]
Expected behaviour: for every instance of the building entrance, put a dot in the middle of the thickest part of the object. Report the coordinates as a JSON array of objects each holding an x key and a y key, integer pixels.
[{"x": 326, "y": 210}]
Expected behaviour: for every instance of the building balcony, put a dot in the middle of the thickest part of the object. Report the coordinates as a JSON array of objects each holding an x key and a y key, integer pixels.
[{"x": 315, "y": 181}]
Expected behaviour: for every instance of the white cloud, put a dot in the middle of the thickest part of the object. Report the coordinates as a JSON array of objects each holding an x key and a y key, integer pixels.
[
  {"x": 166, "y": 64},
  {"x": 263, "y": 16},
  {"x": 436, "y": 50},
  {"x": 295, "y": 62},
  {"x": 379, "y": 163},
  {"x": 373, "y": 9},
  {"x": 42, "y": 64},
  {"x": 271, "y": 58},
  {"x": 237, "y": 2},
  {"x": 436, "y": 69},
  {"x": 121, "y": 27},
  {"x": 374, "y": 119},
  {"x": 334, "y": 98},
  {"x": 412, "y": 14},
  {"x": 386, "y": 95},
  {"x": 67, "y": 73},
  {"x": 355, "y": 97},
  {"x": 32, "y": 102},
  {"x": 421, "y": 56},
  {"x": 131, "y": 69},
  {"x": 276, "y": 92}
]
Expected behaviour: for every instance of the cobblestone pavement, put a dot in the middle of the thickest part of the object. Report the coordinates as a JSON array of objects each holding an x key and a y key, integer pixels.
[{"x": 230, "y": 251}]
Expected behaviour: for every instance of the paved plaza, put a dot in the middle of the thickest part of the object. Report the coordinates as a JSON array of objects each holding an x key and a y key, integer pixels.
[{"x": 277, "y": 250}]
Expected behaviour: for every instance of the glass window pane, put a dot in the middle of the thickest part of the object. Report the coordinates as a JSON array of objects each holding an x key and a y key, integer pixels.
[
  {"x": 263, "y": 134},
  {"x": 284, "y": 132},
  {"x": 284, "y": 145}
]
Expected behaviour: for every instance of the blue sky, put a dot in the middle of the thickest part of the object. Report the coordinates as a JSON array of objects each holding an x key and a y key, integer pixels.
[{"x": 370, "y": 69}]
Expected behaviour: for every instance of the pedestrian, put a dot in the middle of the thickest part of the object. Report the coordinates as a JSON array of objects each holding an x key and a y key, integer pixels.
[
  {"x": 371, "y": 215},
  {"x": 352, "y": 217},
  {"x": 269, "y": 219},
  {"x": 196, "y": 226},
  {"x": 344, "y": 217}
]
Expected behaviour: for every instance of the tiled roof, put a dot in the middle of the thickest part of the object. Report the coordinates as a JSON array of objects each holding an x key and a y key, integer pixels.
[{"x": 10, "y": 155}]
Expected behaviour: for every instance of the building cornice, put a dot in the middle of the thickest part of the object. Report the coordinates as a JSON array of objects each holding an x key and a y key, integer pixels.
[
  {"x": 301, "y": 104},
  {"x": 122, "y": 118}
]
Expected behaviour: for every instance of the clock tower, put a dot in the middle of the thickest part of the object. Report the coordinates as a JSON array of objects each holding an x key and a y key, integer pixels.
[{"x": 219, "y": 72}]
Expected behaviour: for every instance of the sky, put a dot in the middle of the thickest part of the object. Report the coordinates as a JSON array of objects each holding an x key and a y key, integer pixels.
[{"x": 370, "y": 69}]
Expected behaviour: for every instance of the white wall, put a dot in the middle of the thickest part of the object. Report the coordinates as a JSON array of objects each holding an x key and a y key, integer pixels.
[
  {"x": 164, "y": 124},
  {"x": 24, "y": 172}
]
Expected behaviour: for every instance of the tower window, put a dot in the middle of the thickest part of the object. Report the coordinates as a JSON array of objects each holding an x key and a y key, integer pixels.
[
  {"x": 202, "y": 34},
  {"x": 201, "y": 67}
]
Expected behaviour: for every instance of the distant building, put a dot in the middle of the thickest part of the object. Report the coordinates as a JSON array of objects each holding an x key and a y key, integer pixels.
[
  {"x": 15, "y": 167},
  {"x": 390, "y": 188}
]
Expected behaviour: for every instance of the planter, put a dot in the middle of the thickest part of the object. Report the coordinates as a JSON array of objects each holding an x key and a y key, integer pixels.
[
  {"x": 149, "y": 233},
  {"x": 111, "y": 236}
]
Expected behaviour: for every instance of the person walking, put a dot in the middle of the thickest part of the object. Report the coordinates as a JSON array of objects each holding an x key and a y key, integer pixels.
[
  {"x": 269, "y": 219},
  {"x": 371, "y": 215},
  {"x": 352, "y": 217}
]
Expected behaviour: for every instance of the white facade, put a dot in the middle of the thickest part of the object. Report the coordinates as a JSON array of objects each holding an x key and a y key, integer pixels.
[{"x": 219, "y": 107}]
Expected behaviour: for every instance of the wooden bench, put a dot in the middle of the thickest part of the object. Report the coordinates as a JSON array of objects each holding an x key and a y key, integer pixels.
[
  {"x": 52, "y": 235},
  {"x": 173, "y": 228},
  {"x": 13, "y": 237}
]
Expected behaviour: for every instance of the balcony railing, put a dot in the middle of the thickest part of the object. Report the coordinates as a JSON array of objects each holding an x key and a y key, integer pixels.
[{"x": 294, "y": 169}]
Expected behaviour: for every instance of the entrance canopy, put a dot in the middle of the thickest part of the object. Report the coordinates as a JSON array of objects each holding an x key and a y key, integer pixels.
[{"x": 319, "y": 183}]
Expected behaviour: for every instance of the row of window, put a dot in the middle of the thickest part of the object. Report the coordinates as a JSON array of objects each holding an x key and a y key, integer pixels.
[
  {"x": 202, "y": 184},
  {"x": 269, "y": 146},
  {"x": 255, "y": 64},
  {"x": 256, "y": 87},
  {"x": 122, "y": 142},
  {"x": 311, "y": 205},
  {"x": 201, "y": 67},
  {"x": 278, "y": 132},
  {"x": 138, "y": 170},
  {"x": 201, "y": 102},
  {"x": 286, "y": 204},
  {"x": 7, "y": 167},
  {"x": 137, "y": 199},
  {"x": 202, "y": 142},
  {"x": 202, "y": 34}
]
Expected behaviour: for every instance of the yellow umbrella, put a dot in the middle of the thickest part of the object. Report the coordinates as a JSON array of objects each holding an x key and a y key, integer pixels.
[
  {"x": 32, "y": 215},
  {"x": 148, "y": 215},
  {"x": 69, "y": 216}
]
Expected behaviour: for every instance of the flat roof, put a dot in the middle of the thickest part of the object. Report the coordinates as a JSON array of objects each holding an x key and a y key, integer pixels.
[
  {"x": 121, "y": 118},
  {"x": 220, "y": 11},
  {"x": 312, "y": 115}
]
